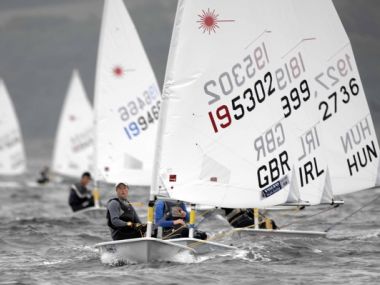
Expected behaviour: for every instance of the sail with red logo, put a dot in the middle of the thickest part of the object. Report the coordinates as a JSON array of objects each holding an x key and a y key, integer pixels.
[
  {"x": 127, "y": 102},
  {"x": 248, "y": 120},
  {"x": 74, "y": 142},
  {"x": 222, "y": 133}
]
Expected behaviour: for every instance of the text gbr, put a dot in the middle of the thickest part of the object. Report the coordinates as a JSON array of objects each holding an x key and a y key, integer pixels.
[{"x": 266, "y": 144}]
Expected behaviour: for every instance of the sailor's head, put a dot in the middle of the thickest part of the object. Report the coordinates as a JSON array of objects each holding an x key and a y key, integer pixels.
[
  {"x": 86, "y": 178},
  {"x": 122, "y": 190}
]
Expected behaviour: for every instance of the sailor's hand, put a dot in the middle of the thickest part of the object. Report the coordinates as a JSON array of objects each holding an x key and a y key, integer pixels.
[
  {"x": 178, "y": 222},
  {"x": 137, "y": 225},
  {"x": 183, "y": 213},
  {"x": 129, "y": 224}
]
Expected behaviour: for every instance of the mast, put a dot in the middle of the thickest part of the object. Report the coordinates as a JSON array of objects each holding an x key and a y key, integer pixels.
[{"x": 97, "y": 92}]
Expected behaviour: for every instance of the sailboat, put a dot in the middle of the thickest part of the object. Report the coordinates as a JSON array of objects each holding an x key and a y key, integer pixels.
[
  {"x": 12, "y": 153},
  {"x": 337, "y": 152},
  {"x": 127, "y": 106},
  {"x": 127, "y": 102},
  {"x": 262, "y": 106},
  {"x": 74, "y": 143}
]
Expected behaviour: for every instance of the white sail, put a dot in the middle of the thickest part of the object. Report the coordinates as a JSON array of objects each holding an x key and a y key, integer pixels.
[
  {"x": 347, "y": 133},
  {"x": 74, "y": 143},
  {"x": 222, "y": 139},
  {"x": 127, "y": 101},
  {"x": 12, "y": 154},
  {"x": 241, "y": 116},
  {"x": 294, "y": 79}
]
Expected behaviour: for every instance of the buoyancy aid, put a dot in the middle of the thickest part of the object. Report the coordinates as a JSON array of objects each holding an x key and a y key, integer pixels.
[
  {"x": 173, "y": 211},
  {"x": 239, "y": 218},
  {"x": 127, "y": 214}
]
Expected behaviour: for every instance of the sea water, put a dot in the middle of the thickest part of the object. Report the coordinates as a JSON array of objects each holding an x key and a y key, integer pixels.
[{"x": 42, "y": 242}]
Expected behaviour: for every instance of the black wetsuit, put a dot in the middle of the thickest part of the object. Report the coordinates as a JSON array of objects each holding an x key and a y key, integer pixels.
[
  {"x": 241, "y": 218},
  {"x": 80, "y": 197},
  {"x": 119, "y": 213},
  {"x": 44, "y": 178}
]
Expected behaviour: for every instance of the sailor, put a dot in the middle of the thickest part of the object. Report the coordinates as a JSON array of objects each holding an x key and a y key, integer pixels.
[
  {"x": 80, "y": 196},
  {"x": 241, "y": 218},
  {"x": 44, "y": 176},
  {"x": 122, "y": 219},
  {"x": 172, "y": 216}
]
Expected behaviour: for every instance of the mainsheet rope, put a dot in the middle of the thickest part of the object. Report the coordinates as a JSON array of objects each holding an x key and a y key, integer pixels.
[{"x": 353, "y": 213}]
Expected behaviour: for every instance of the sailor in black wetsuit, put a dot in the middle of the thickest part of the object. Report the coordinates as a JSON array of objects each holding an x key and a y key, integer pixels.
[
  {"x": 241, "y": 218},
  {"x": 81, "y": 197},
  {"x": 44, "y": 176},
  {"x": 122, "y": 219}
]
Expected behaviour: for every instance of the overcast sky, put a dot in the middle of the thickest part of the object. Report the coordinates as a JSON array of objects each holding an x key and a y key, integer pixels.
[{"x": 42, "y": 41}]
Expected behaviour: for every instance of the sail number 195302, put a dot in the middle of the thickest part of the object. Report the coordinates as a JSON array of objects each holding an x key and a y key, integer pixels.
[
  {"x": 257, "y": 91},
  {"x": 239, "y": 73},
  {"x": 242, "y": 104}
]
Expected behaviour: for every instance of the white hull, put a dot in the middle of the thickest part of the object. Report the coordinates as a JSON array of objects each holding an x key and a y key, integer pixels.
[
  {"x": 282, "y": 208},
  {"x": 250, "y": 232},
  {"x": 203, "y": 246},
  {"x": 97, "y": 213},
  {"x": 141, "y": 250}
]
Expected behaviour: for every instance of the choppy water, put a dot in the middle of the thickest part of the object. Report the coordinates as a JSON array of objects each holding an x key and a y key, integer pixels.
[{"x": 41, "y": 242}]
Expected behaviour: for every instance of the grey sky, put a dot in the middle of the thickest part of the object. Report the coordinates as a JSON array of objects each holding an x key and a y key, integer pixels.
[{"x": 42, "y": 41}]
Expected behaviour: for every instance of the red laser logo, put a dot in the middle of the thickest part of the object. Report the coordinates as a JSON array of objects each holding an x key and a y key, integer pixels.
[
  {"x": 118, "y": 71},
  {"x": 209, "y": 21}
]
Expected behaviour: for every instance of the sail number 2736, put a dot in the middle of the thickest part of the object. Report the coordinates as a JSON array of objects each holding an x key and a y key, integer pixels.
[{"x": 330, "y": 106}]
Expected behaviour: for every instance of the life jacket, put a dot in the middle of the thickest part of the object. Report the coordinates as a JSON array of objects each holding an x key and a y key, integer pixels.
[
  {"x": 240, "y": 218},
  {"x": 127, "y": 214},
  {"x": 80, "y": 197},
  {"x": 172, "y": 210}
]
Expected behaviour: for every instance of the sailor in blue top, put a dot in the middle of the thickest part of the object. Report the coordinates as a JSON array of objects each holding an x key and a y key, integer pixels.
[{"x": 172, "y": 217}]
